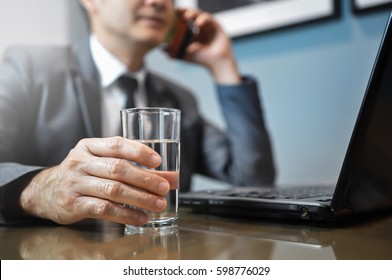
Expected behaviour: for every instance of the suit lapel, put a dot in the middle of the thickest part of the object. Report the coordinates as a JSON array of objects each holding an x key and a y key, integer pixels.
[{"x": 86, "y": 84}]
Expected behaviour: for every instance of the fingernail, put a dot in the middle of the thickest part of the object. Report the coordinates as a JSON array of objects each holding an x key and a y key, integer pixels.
[
  {"x": 155, "y": 160},
  {"x": 163, "y": 188},
  {"x": 160, "y": 203},
  {"x": 142, "y": 219}
]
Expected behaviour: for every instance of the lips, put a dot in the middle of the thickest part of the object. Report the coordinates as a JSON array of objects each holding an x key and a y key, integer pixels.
[{"x": 154, "y": 20}]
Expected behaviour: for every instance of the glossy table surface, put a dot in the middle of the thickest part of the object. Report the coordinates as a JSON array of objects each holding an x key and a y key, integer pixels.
[{"x": 201, "y": 237}]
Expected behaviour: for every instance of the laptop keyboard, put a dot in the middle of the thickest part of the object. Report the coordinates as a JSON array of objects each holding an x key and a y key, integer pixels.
[{"x": 289, "y": 193}]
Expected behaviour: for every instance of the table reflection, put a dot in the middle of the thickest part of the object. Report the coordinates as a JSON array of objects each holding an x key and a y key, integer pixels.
[
  {"x": 201, "y": 238},
  {"x": 228, "y": 238},
  {"x": 108, "y": 242}
]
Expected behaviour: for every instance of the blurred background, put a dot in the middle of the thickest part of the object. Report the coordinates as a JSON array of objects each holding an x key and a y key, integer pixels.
[{"x": 312, "y": 78}]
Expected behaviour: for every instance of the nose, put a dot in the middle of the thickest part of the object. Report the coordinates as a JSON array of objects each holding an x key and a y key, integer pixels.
[
  {"x": 160, "y": 5},
  {"x": 158, "y": 2}
]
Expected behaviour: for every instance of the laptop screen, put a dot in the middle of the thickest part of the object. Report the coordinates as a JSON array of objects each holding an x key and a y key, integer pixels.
[{"x": 367, "y": 172}]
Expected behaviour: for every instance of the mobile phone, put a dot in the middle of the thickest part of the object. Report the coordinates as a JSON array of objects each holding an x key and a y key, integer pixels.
[{"x": 179, "y": 37}]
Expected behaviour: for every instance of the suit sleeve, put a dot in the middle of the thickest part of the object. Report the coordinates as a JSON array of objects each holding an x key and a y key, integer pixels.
[
  {"x": 14, "y": 107},
  {"x": 242, "y": 155}
]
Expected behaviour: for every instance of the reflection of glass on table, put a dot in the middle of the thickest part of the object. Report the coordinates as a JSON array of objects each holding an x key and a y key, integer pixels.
[{"x": 67, "y": 243}]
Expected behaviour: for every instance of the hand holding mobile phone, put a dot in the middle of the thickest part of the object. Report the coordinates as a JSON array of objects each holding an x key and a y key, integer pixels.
[{"x": 179, "y": 37}]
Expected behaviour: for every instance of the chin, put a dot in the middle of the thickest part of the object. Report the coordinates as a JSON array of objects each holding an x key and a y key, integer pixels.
[
  {"x": 149, "y": 44},
  {"x": 152, "y": 40}
]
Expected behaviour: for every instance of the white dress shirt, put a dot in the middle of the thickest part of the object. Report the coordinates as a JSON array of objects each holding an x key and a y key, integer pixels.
[{"x": 113, "y": 99}]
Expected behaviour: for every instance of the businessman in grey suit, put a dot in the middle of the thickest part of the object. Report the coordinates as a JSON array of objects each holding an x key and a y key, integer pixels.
[{"x": 60, "y": 158}]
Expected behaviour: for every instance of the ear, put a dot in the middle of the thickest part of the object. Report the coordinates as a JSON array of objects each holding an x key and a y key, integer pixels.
[{"x": 89, "y": 5}]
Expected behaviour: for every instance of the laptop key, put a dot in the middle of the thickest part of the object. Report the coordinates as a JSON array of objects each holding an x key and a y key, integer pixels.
[{"x": 292, "y": 193}]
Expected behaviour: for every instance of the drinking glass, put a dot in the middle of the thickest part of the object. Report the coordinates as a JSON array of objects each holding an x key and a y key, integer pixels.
[{"x": 159, "y": 129}]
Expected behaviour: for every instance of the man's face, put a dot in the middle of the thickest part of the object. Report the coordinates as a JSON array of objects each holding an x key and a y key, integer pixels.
[{"x": 143, "y": 22}]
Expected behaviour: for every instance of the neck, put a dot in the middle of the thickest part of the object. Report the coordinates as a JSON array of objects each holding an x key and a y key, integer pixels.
[{"x": 132, "y": 55}]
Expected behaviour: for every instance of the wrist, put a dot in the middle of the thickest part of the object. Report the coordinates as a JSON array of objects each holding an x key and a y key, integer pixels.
[
  {"x": 225, "y": 72},
  {"x": 26, "y": 199},
  {"x": 29, "y": 197}
]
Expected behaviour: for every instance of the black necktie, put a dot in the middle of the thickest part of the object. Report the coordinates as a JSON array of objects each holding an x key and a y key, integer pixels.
[{"x": 129, "y": 85}]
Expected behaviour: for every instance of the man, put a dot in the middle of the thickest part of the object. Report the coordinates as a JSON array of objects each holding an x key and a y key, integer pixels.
[{"x": 59, "y": 110}]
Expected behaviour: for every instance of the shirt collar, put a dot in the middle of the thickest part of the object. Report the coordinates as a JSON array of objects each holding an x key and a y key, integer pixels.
[{"x": 110, "y": 67}]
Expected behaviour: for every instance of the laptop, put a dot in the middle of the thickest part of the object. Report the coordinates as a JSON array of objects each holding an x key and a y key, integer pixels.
[{"x": 364, "y": 184}]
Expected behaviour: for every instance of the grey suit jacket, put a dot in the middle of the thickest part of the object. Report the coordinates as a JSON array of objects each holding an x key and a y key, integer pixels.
[{"x": 50, "y": 99}]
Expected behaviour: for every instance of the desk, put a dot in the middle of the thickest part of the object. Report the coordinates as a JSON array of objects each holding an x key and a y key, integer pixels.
[{"x": 200, "y": 237}]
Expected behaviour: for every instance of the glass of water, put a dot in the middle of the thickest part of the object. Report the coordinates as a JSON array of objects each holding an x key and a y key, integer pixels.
[{"x": 159, "y": 129}]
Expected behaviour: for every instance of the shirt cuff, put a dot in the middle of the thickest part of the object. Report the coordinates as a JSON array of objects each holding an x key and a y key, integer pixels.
[{"x": 248, "y": 84}]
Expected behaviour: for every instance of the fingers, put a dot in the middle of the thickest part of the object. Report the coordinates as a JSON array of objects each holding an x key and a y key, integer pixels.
[
  {"x": 109, "y": 175},
  {"x": 123, "y": 171},
  {"x": 209, "y": 43},
  {"x": 122, "y": 194},
  {"x": 103, "y": 209},
  {"x": 198, "y": 17},
  {"x": 203, "y": 19},
  {"x": 191, "y": 14},
  {"x": 122, "y": 148},
  {"x": 111, "y": 162}
]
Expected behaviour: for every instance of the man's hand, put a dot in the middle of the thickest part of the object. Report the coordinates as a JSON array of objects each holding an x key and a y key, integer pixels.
[
  {"x": 211, "y": 48},
  {"x": 95, "y": 180}
]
